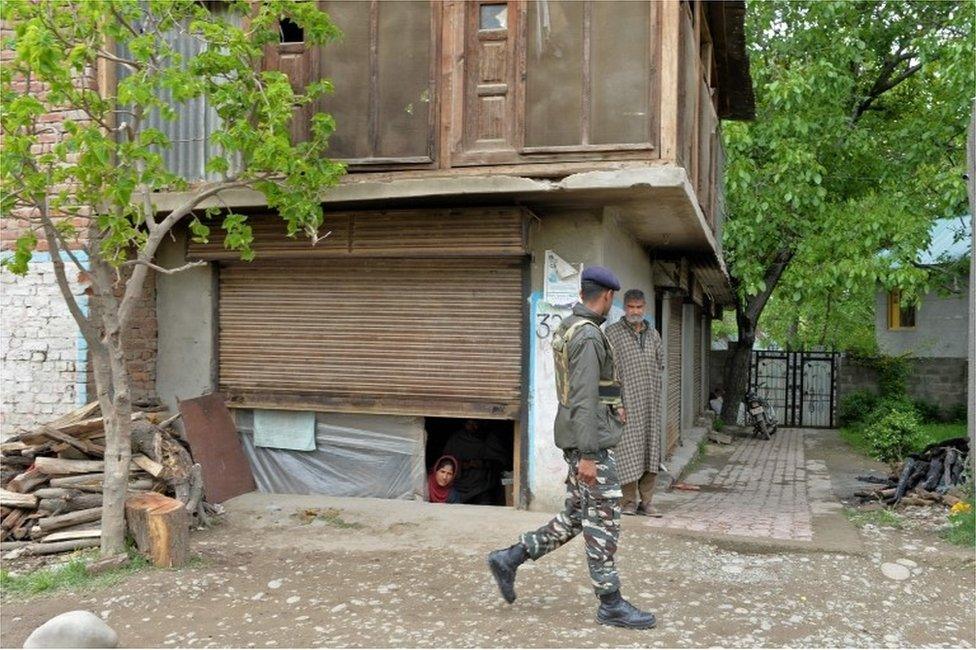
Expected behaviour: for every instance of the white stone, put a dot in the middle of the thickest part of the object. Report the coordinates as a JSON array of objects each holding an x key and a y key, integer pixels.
[
  {"x": 911, "y": 564},
  {"x": 275, "y": 584},
  {"x": 895, "y": 571},
  {"x": 293, "y": 599},
  {"x": 734, "y": 569},
  {"x": 77, "y": 629},
  {"x": 338, "y": 608}
]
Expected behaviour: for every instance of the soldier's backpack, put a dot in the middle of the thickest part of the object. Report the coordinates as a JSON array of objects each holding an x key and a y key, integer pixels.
[{"x": 609, "y": 389}]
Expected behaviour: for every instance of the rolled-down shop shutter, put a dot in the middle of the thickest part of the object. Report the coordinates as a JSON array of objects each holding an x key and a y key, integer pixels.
[
  {"x": 674, "y": 371},
  {"x": 401, "y": 312},
  {"x": 698, "y": 397}
]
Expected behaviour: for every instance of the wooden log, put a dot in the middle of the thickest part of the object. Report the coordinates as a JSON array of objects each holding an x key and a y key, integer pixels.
[
  {"x": 75, "y": 482},
  {"x": 107, "y": 564},
  {"x": 83, "y": 501},
  {"x": 17, "y": 461},
  {"x": 147, "y": 464},
  {"x": 915, "y": 501},
  {"x": 14, "y": 446},
  {"x": 140, "y": 485},
  {"x": 42, "y": 548},
  {"x": 52, "y": 493},
  {"x": 60, "y": 466},
  {"x": 950, "y": 500},
  {"x": 63, "y": 535},
  {"x": 13, "y": 519},
  {"x": 17, "y": 499},
  {"x": 161, "y": 528},
  {"x": 11, "y": 546},
  {"x": 48, "y": 524},
  {"x": 27, "y": 481},
  {"x": 83, "y": 446}
]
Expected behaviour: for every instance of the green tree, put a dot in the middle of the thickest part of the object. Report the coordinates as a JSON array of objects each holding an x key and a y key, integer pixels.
[
  {"x": 858, "y": 144},
  {"x": 92, "y": 189}
]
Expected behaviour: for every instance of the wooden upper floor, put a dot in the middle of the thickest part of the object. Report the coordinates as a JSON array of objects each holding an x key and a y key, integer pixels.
[{"x": 540, "y": 85}]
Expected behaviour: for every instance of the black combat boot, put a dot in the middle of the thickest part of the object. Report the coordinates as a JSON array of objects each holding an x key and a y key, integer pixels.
[
  {"x": 614, "y": 610},
  {"x": 503, "y": 565}
]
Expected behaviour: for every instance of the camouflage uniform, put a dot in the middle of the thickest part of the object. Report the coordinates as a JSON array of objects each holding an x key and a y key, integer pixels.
[
  {"x": 586, "y": 427},
  {"x": 593, "y": 510}
]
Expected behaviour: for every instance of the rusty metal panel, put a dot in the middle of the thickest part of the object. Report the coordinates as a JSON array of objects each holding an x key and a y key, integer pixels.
[
  {"x": 216, "y": 445},
  {"x": 698, "y": 406},
  {"x": 421, "y": 335},
  {"x": 412, "y": 233}
]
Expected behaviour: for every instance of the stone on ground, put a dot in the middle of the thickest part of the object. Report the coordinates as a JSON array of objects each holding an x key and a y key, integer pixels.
[
  {"x": 895, "y": 571},
  {"x": 78, "y": 629}
]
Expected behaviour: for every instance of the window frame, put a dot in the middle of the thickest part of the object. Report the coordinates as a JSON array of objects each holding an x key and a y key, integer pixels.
[
  {"x": 391, "y": 163},
  {"x": 896, "y": 311}
]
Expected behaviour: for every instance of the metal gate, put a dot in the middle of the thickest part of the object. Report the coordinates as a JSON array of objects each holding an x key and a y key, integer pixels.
[{"x": 800, "y": 386}]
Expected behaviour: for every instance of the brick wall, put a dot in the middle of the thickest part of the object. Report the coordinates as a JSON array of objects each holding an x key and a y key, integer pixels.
[
  {"x": 46, "y": 368},
  {"x": 42, "y": 352}
]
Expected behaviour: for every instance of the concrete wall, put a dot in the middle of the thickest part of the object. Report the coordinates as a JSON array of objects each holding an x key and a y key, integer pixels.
[
  {"x": 42, "y": 351},
  {"x": 939, "y": 380},
  {"x": 185, "y": 304},
  {"x": 578, "y": 237},
  {"x": 940, "y": 327}
]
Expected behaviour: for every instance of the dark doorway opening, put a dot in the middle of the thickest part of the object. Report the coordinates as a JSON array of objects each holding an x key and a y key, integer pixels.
[
  {"x": 290, "y": 32},
  {"x": 485, "y": 450}
]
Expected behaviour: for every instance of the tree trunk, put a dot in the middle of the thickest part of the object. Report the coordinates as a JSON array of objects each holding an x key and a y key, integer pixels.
[
  {"x": 736, "y": 371},
  {"x": 118, "y": 447}
]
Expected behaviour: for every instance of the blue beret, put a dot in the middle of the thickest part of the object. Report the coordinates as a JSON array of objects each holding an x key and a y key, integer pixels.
[{"x": 602, "y": 276}]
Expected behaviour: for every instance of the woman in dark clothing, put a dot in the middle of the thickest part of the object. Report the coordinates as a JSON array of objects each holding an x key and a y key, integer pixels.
[
  {"x": 440, "y": 481},
  {"x": 481, "y": 459}
]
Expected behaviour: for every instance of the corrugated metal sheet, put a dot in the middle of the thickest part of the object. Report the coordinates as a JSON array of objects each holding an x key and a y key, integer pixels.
[
  {"x": 402, "y": 233},
  {"x": 674, "y": 372},
  {"x": 190, "y": 132},
  {"x": 421, "y": 336}
]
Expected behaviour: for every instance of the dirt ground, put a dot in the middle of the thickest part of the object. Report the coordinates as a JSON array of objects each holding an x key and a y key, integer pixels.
[{"x": 390, "y": 574}]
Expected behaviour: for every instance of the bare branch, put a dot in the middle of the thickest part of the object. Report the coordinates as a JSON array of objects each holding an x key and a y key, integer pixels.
[{"x": 164, "y": 271}]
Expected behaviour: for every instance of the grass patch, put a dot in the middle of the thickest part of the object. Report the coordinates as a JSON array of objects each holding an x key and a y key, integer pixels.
[
  {"x": 329, "y": 516},
  {"x": 854, "y": 436},
  {"x": 70, "y": 575},
  {"x": 880, "y": 518},
  {"x": 962, "y": 529}
]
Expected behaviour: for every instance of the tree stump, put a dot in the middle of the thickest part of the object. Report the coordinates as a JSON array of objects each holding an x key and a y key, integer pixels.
[{"x": 161, "y": 528}]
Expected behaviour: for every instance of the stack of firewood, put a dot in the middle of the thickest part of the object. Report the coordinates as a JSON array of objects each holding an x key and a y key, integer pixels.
[
  {"x": 932, "y": 476},
  {"x": 51, "y": 499}
]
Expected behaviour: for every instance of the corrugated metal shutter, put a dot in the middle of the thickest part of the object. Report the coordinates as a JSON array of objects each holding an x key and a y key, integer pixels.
[
  {"x": 674, "y": 371},
  {"x": 698, "y": 399},
  {"x": 403, "y": 233},
  {"x": 386, "y": 334}
]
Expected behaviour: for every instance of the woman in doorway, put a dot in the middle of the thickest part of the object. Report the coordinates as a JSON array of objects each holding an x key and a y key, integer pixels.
[{"x": 440, "y": 481}]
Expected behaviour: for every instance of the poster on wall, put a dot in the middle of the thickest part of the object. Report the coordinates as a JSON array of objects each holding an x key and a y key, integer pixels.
[{"x": 562, "y": 281}]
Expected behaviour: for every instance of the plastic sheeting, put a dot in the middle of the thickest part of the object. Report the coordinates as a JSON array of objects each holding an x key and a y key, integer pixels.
[
  {"x": 284, "y": 429},
  {"x": 356, "y": 456}
]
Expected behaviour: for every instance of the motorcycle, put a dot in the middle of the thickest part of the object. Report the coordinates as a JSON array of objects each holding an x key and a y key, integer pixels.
[{"x": 760, "y": 415}]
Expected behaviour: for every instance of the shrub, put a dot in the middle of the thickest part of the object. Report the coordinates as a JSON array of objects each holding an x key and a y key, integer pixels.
[
  {"x": 928, "y": 412},
  {"x": 892, "y": 373},
  {"x": 893, "y": 433},
  {"x": 718, "y": 424},
  {"x": 856, "y": 406},
  {"x": 957, "y": 413}
]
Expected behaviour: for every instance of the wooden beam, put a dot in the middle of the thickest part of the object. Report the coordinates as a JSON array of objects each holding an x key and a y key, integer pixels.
[{"x": 670, "y": 12}]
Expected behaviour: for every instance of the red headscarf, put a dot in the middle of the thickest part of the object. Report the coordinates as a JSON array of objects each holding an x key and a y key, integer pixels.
[{"x": 436, "y": 493}]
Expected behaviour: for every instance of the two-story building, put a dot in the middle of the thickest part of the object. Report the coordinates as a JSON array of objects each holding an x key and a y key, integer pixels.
[{"x": 493, "y": 148}]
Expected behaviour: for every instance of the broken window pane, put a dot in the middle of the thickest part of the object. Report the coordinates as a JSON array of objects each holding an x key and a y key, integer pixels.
[
  {"x": 290, "y": 32},
  {"x": 493, "y": 17}
]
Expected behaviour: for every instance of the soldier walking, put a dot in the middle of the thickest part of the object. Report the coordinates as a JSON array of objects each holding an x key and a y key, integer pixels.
[
  {"x": 587, "y": 428},
  {"x": 639, "y": 356}
]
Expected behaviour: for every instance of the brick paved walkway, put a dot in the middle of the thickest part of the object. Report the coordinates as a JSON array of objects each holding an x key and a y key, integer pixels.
[{"x": 761, "y": 491}]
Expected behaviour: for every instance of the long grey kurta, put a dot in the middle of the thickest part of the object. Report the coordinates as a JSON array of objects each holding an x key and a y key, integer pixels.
[{"x": 640, "y": 368}]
